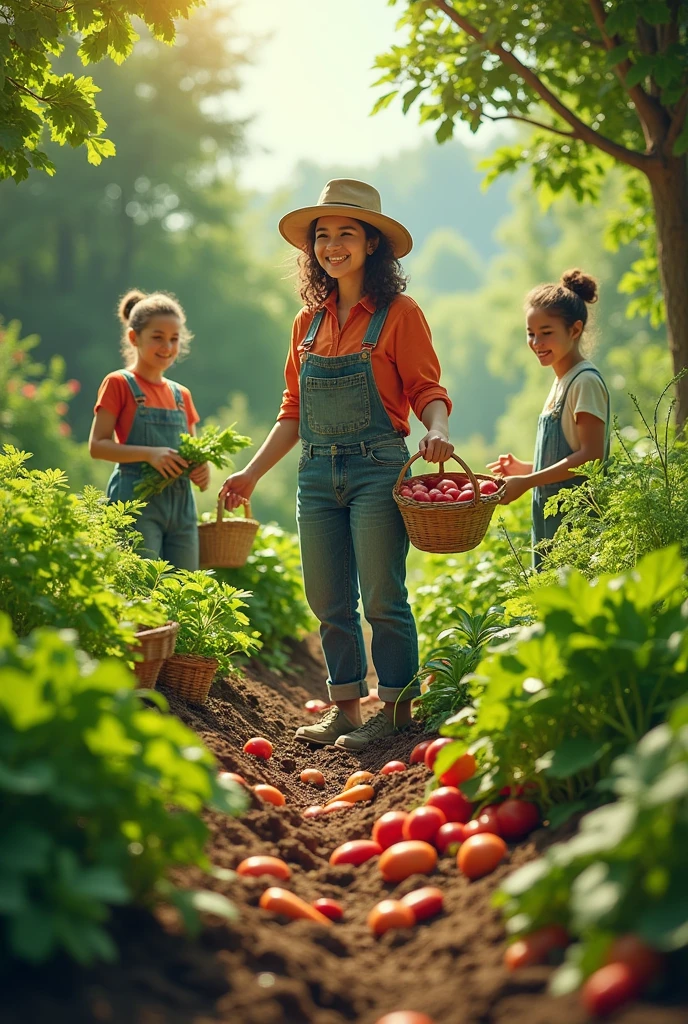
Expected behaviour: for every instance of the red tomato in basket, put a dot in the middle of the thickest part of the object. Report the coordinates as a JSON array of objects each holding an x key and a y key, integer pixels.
[
  {"x": 406, "y": 492},
  {"x": 465, "y": 496},
  {"x": 452, "y": 493},
  {"x": 488, "y": 487},
  {"x": 259, "y": 747},
  {"x": 421, "y": 496},
  {"x": 447, "y": 485},
  {"x": 419, "y": 486},
  {"x": 389, "y": 829},
  {"x": 436, "y": 495}
]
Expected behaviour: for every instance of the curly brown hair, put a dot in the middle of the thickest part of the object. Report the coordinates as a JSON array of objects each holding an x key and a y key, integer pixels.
[{"x": 384, "y": 277}]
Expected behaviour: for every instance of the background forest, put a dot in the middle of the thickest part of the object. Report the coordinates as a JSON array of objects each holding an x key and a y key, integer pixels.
[{"x": 166, "y": 213}]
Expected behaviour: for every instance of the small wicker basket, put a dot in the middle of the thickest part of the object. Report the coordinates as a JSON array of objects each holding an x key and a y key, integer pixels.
[
  {"x": 155, "y": 645},
  {"x": 190, "y": 676},
  {"x": 447, "y": 527},
  {"x": 226, "y": 543}
]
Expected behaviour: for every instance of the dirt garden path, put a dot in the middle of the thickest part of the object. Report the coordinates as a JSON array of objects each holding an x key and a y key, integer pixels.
[{"x": 265, "y": 971}]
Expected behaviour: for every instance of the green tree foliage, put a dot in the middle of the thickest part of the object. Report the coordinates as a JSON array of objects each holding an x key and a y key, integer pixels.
[
  {"x": 34, "y": 95},
  {"x": 601, "y": 83}
]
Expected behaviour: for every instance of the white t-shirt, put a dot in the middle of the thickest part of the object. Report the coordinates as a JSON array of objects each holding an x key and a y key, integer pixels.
[{"x": 586, "y": 394}]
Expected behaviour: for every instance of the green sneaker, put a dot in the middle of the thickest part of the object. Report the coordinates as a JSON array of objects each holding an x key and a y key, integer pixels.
[
  {"x": 376, "y": 728},
  {"x": 333, "y": 725}
]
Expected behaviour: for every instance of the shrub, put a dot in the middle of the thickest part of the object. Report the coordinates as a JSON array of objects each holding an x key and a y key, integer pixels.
[
  {"x": 278, "y": 605},
  {"x": 100, "y": 797},
  {"x": 563, "y": 697},
  {"x": 625, "y": 869}
]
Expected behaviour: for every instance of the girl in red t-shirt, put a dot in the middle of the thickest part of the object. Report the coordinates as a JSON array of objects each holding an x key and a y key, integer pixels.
[{"x": 139, "y": 416}]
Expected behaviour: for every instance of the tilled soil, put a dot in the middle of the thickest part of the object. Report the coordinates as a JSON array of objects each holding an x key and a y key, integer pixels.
[{"x": 264, "y": 970}]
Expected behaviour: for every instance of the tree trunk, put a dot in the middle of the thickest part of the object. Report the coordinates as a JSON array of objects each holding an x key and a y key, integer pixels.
[{"x": 670, "y": 196}]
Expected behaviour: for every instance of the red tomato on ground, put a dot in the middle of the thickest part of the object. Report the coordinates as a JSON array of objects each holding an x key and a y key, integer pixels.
[
  {"x": 426, "y": 902},
  {"x": 411, "y": 857},
  {"x": 312, "y": 776},
  {"x": 462, "y": 770},
  {"x": 609, "y": 988},
  {"x": 535, "y": 948},
  {"x": 483, "y": 823},
  {"x": 418, "y": 752},
  {"x": 390, "y": 914},
  {"x": 357, "y": 851},
  {"x": 645, "y": 962},
  {"x": 424, "y": 823},
  {"x": 393, "y": 766},
  {"x": 281, "y": 901},
  {"x": 452, "y": 802},
  {"x": 314, "y": 811},
  {"x": 517, "y": 818},
  {"x": 479, "y": 855},
  {"x": 388, "y": 829},
  {"x": 330, "y": 908},
  {"x": 270, "y": 795},
  {"x": 433, "y": 749},
  {"x": 465, "y": 496},
  {"x": 258, "y": 746},
  {"x": 405, "y": 1017},
  {"x": 315, "y": 706},
  {"x": 255, "y": 867},
  {"x": 450, "y": 837}
]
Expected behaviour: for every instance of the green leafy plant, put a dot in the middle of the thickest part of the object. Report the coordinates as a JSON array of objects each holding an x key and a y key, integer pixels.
[
  {"x": 449, "y": 666},
  {"x": 624, "y": 872},
  {"x": 278, "y": 605},
  {"x": 100, "y": 796},
  {"x": 209, "y": 612},
  {"x": 560, "y": 699},
  {"x": 64, "y": 558},
  {"x": 211, "y": 445}
]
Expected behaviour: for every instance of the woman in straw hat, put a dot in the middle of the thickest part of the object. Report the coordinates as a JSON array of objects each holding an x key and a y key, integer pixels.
[{"x": 361, "y": 358}]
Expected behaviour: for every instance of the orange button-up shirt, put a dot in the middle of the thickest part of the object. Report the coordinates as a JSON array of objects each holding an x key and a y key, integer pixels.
[{"x": 404, "y": 363}]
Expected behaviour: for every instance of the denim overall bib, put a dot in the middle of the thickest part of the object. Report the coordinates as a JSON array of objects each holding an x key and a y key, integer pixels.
[
  {"x": 168, "y": 523},
  {"x": 551, "y": 447},
  {"x": 350, "y": 529}
]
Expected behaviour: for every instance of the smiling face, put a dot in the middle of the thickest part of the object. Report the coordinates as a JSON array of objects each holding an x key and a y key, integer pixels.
[
  {"x": 157, "y": 345},
  {"x": 554, "y": 343},
  {"x": 341, "y": 247}
]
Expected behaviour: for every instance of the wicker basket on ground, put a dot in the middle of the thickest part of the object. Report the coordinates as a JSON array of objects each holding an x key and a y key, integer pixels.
[
  {"x": 190, "y": 676},
  {"x": 447, "y": 527},
  {"x": 226, "y": 543},
  {"x": 155, "y": 645}
]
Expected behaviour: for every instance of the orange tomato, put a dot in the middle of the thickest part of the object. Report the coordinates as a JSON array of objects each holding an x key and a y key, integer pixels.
[
  {"x": 353, "y": 795},
  {"x": 269, "y": 794},
  {"x": 357, "y": 851},
  {"x": 254, "y": 867},
  {"x": 405, "y": 1017},
  {"x": 462, "y": 770},
  {"x": 411, "y": 857},
  {"x": 390, "y": 914},
  {"x": 259, "y": 747},
  {"x": 357, "y": 778},
  {"x": 426, "y": 902},
  {"x": 480, "y": 854},
  {"x": 392, "y": 766},
  {"x": 281, "y": 901},
  {"x": 312, "y": 776},
  {"x": 388, "y": 829},
  {"x": 535, "y": 947}
]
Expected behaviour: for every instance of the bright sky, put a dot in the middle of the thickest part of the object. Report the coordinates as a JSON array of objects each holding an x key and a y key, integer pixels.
[{"x": 310, "y": 87}]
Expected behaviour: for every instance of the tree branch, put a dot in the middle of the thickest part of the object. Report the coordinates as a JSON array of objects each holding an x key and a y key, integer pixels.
[
  {"x": 536, "y": 124},
  {"x": 677, "y": 123},
  {"x": 650, "y": 112},
  {"x": 22, "y": 88},
  {"x": 642, "y": 161}
]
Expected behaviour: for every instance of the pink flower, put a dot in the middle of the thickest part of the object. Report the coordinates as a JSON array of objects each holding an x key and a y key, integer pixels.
[
  {"x": 74, "y": 386},
  {"x": 64, "y": 429},
  {"x": 61, "y": 408},
  {"x": 29, "y": 391}
]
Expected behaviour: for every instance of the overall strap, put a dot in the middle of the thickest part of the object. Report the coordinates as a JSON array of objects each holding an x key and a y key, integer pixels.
[
  {"x": 178, "y": 397},
  {"x": 313, "y": 330},
  {"x": 377, "y": 322},
  {"x": 136, "y": 391},
  {"x": 586, "y": 369}
]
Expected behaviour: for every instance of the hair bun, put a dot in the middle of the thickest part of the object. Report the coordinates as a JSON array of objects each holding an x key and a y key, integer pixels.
[
  {"x": 582, "y": 284},
  {"x": 127, "y": 303}
]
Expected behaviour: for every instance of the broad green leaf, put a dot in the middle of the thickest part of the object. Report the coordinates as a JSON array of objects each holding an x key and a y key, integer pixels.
[{"x": 573, "y": 755}]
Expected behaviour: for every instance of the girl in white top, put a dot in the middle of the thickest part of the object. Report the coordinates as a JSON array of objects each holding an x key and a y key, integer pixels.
[{"x": 573, "y": 427}]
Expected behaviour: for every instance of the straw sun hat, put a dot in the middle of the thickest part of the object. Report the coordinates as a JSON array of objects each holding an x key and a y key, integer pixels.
[{"x": 348, "y": 198}]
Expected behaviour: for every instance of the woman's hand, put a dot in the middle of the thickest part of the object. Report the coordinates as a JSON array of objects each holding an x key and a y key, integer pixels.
[
  {"x": 509, "y": 465},
  {"x": 200, "y": 475},
  {"x": 237, "y": 489},
  {"x": 436, "y": 446},
  {"x": 515, "y": 487},
  {"x": 167, "y": 461}
]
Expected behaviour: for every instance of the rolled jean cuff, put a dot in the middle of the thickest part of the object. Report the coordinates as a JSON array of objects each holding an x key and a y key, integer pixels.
[
  {"x": 347, "y": 691},
  {"x": 390, "y": 694}
]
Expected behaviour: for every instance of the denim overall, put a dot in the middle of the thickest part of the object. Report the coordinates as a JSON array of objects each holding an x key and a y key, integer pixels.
[
  {"x": 350, "y": 529},
  {"x": 168, "y": 523},
  {"x": 551, "y": 447}
]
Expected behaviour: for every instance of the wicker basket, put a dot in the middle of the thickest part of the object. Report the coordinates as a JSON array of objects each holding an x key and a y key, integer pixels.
[
  {"x": 190, "y": 676},
  {"x": 226, "y": 543},
  {"x": 447, "y": 527},
  {"x": 155, "y": 645}
]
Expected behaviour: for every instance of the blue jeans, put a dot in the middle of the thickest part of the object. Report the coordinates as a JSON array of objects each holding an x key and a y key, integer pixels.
[{"x": 351, "y": 532}]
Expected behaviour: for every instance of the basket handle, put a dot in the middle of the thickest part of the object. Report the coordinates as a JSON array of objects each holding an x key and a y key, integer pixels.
[
  {"x": 469, "y": 471},
  {"x": 221, "y": 508}
]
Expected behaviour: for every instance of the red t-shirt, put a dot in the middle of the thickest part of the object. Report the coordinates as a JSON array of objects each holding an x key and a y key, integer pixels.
[{"x": 115, "y": 395}]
